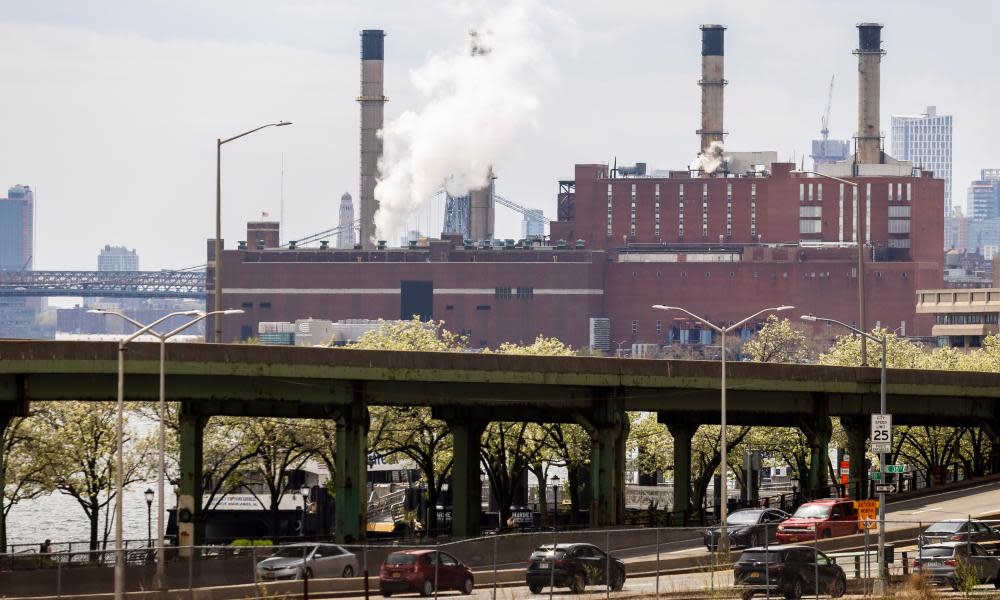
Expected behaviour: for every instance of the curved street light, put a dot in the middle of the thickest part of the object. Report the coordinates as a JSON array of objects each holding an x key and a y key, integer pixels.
[
  {"x": 218, "y": 218},
  {"x": 162, "y": 337},
  {"x": 723, "y": 545}
]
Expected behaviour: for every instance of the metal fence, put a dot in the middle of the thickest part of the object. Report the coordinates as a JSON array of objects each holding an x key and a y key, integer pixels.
[{"x": 656, "y": 562}]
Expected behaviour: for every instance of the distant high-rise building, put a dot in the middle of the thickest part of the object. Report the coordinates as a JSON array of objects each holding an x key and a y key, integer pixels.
[
  {"x": 17, "y": 229},
  {"x": 827, "y": 152},
  {"x": 117, "y": 258},
  {"x": 984, "y": 195},
  {"x": 345, "y": 237},
  {"x": 925, "y": 140},
  {"x": 532, "y": 226}
]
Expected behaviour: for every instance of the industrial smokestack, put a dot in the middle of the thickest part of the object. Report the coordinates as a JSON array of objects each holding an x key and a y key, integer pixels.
[
  {"x": 712, "y": 84},
  {"x": 869, "y": 138},
  {"x": 481, "y": 215},
  {"x": 372, "y": 101}
]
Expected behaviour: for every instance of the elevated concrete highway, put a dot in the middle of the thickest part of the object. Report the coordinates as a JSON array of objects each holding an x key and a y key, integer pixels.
[{"x": 470, "y": 390}]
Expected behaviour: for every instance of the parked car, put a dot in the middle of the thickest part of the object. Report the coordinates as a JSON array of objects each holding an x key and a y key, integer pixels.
[
  {"x": 787, "y": 570},
  {"x": 748, "y": 528},
  {"x": 308, "y": 560},
  {"x": 960, "y": 530},
  {"x": 829, "y": 517},
  {"x": 416, "y": 571},
  {"x": 574, "y": 566},
  {"x": 939, "y": 561}
]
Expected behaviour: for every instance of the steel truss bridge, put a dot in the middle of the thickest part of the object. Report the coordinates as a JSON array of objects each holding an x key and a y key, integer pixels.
[{"x": 103, "y": 284}]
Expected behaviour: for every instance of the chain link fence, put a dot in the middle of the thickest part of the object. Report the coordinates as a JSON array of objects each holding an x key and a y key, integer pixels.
[{"x": 767, "y": 559}]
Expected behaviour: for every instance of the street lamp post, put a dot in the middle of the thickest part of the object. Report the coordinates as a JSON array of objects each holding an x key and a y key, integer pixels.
[
  {"x": 618, "y": 354},
  {"x": 861, "y": 258},
  {"x": 555, "y": 501},
  {"x": 218, "y": 219},
  {"x": 161, "y": 474},
  {"x": 305, "y": 491},
  {"x": 881, "y": 457},
  {"x": 723, "y": 545},
  {"x": 149, "y": 493}
]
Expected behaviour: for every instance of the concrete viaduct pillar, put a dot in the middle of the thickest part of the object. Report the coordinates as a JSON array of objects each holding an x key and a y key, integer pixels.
[
  {"x": 857, "y": 435},
  {"x": 351, "y": 470},
  {"x": 467, "y": 490},
  {"x": 608, "y": 427},
  {"x": 992, "y": 430},
  {"x": 190, "y": 527},
  {"x": 682, "y": 434},
  {"x": 817, "y": 429}
]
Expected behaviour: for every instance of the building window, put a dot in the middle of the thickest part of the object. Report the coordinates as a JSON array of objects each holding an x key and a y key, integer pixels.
[
  {"x": 656, "y": 213},
  {"x": 729, "y": 210},
  {"x": 525, "y": 293},
  {"x": 890, "y": 193},
  {"x": 246, "y": 332},
  {"x": 610, "y": 206},
  {"x": 810, "y": 211},
  {"x": 632, "y": 218},
  {"x": 753, "y": 210},
  {"x": 810, "y": 226},
  {"x": 899, "y": 226},
  {"x": 854, "y": 209},
  {"x": 246, "y": 305},
  {"x": 704, "y": 210},
  {"x": 680, "y": 211},
  {"x": 502, "y": 293},
  {"x": 899, "y": 211},
  {"x": 483, "y": 307},
  {"x": 802, "y": 192},
  {"x": 659, "y": 327},
  {"x": 810, "y": 192},
  {"x": 868, "y": 212},
  {"x": 909, "y": 191},
  {"x": 635, "y": 328},
  {"x": 819, "y": 192},
  {"x": 841, "y": 236},
  {"x": 265, "y": 305}
]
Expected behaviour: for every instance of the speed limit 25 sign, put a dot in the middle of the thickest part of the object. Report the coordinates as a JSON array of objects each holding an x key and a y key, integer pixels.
[{"x": 882, "y": 434}]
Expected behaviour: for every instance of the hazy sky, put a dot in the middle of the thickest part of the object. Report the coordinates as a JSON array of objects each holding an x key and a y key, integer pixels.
[{"x": 111, "y": 108}]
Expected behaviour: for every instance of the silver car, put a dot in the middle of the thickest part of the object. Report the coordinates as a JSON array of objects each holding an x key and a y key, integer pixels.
[
  {"x": 939, "y": 561},
  {"x": 961, "y": 530},
  {"x": 308, "y": 560}
]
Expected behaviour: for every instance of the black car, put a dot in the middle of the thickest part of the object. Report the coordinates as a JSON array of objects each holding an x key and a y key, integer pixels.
[
  {"x": 748, "y": 528},
  {"x": 787, "y": 570},
  {"x": 574, "y": 566}
]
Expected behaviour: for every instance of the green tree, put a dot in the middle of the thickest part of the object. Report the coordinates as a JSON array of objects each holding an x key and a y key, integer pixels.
[
  {"x": 22, "y": 468},
  {"x": 778, "y": 341},
  {"x": 79, "y": 442}
]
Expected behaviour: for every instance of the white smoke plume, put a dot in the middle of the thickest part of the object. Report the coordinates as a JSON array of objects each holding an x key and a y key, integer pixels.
[
  {"x": 710, "y": 160},
  {"x": 478, "y": 104}
]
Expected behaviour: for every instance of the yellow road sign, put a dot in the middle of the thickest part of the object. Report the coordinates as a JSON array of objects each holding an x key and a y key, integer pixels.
[{"x": 867, "y": 514}]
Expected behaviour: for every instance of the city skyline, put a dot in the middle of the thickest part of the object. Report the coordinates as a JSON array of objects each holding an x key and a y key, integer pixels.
[{"x": 145, "y": 130}]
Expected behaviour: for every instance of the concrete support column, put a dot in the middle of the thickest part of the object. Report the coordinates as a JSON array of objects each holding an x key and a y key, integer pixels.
[
  {"x": 857, "y": 434},
  {"x": 992, "y": 431},
  {"x": 817, "y": 430},
  {"x": 682, "y": 434},
  {"x": 351, "y": 471},
  {"x": 190, "y": 527},
  {"x": 609, "y": 431},
  {"x": 467, "y": 489}
]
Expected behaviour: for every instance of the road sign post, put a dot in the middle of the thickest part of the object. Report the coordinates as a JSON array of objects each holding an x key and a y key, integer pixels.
[
  {"x": 867, "y": 514},
  {"x": 885, "y": 488}
]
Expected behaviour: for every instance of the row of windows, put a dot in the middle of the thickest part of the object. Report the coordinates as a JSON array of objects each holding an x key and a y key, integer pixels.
[
  {"x": 966, "y": 319},
  {"x": 521, "y": 293},
  {"x": 249, "y": 305}
]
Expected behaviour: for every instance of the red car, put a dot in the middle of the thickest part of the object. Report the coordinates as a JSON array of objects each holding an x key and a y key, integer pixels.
[
  {"x": 830, "y": 517},
  {"x": 414, "y": 571}
]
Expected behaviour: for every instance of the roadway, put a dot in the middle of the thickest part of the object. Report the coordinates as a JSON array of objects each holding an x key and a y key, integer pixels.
[{"x": 978, "y": 501}]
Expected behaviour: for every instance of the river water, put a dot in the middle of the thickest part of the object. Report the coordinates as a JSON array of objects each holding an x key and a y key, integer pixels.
[{"x": 60, "y": 518}]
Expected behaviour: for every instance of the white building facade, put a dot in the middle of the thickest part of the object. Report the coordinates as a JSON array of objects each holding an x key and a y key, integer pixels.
[{"x": 925, "y": 140}]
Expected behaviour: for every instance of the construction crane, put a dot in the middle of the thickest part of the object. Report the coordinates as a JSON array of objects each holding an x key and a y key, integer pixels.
[
  {"x": 826, "y": 115},
  {"x": 531, "y": 214}
]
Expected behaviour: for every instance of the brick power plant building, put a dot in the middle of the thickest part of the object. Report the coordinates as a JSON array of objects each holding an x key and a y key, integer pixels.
[{"x": 723, "y": 243}]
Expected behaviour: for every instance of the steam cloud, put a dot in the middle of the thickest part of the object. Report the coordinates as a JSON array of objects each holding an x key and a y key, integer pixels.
[
  {"x": 478, "y": 103},
  {"x": 710, "y": 160}
]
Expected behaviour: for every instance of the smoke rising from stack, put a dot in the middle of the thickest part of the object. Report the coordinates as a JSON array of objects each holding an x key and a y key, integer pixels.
[
  {"x": 711, "y": 160},
  {"x": 478, "y": 104}
]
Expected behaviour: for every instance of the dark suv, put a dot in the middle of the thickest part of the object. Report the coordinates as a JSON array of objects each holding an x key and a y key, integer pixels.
[
  {"x": 574, "y": 566},
  {"x": 788, "y": 570}
]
